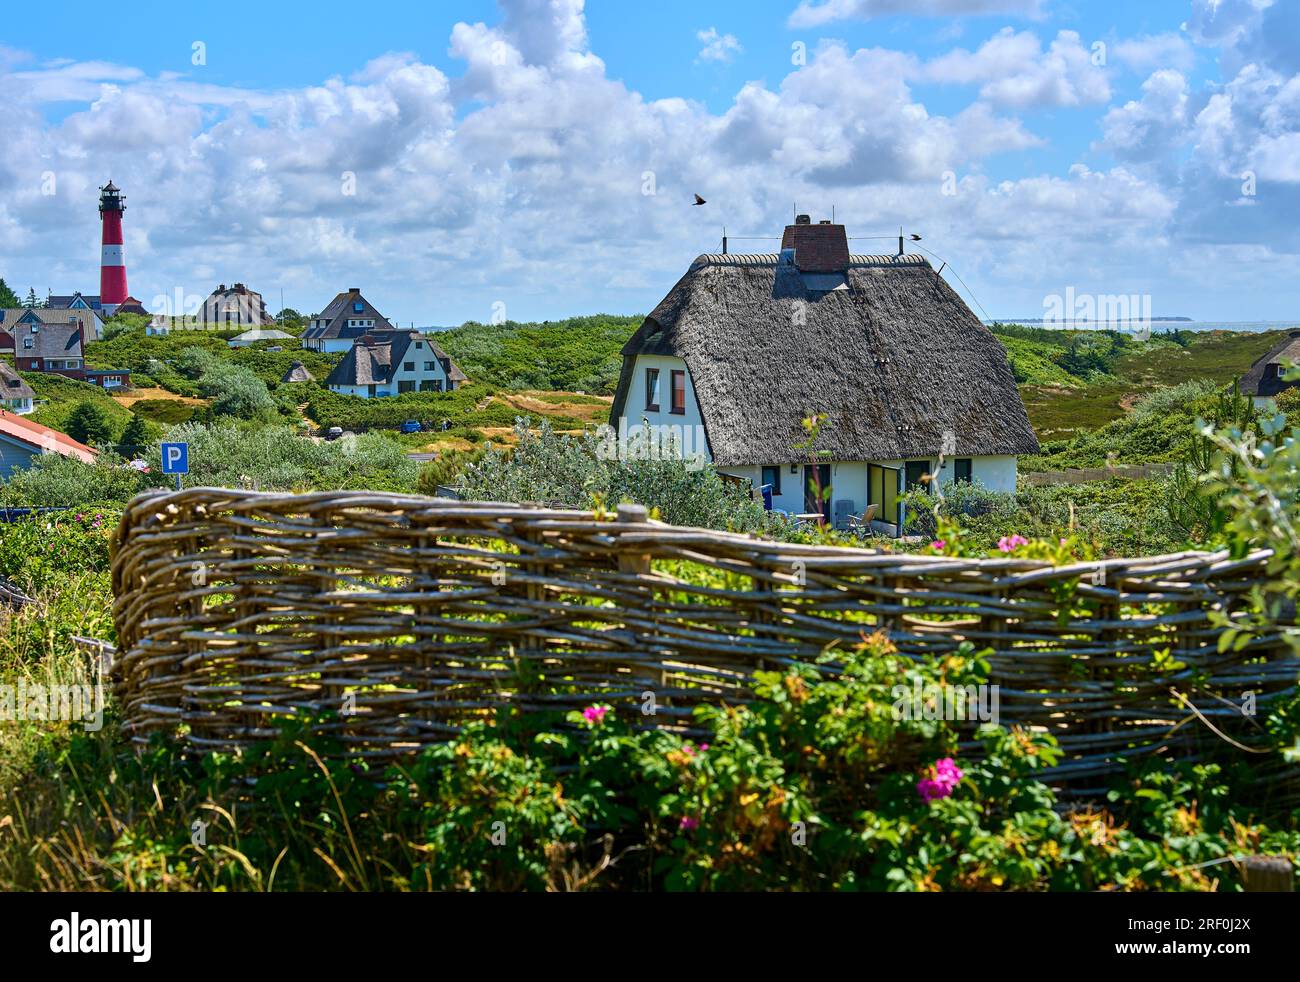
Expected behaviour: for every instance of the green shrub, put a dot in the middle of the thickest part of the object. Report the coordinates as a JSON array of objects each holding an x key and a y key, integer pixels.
[
  {"x": 547, "y": 467},
  {"x": 275, "y": 458},
  {"x": 1115, "y": 518},
  {"x": 89, "y": 424},
  {"x": 236, "y": 392},
  {"x": 52, "y": 479}
]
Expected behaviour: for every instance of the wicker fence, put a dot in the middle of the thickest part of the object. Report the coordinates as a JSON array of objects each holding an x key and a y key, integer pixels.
[{"x": 412, "y": 616}]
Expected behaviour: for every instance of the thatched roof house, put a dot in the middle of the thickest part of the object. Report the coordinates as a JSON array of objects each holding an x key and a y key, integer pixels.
[
  {"x": 1264, "y": 379},
  {"x": 297, "y": 373},
  {"x": 744, "y": 348},
  {"x": 15, "y": 394}
]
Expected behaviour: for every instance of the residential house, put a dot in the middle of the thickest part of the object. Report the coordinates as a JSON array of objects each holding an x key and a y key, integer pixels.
[
  {"x": 258, "y": 334},
  {"x": 1264, "y": 379},
  {"x": 77, "y": 301},
  {"x": 45, "y": 340},
  {"x": 16, "y": 396},
  {"x": 21, "y": 440},
  {"x": 159, "y": 327},
  {"x": 347, "y": 317},
  {"x": 392, "y": 362},
  {"x": 908, "y": 387},
  {"x": 235, "y": 306},
  {"x": 84, "y": 318}
]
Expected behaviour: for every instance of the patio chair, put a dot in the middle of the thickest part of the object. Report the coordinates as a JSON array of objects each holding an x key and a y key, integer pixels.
[{"x": 863, "y": 523}]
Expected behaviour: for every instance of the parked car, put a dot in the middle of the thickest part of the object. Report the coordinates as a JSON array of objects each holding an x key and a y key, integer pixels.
[
  {"x": 412, "y": 426},
  {"x": 333, "y": 433}
]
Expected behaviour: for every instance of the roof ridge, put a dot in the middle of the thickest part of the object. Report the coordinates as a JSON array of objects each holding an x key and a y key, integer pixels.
[{"x": 771, "y": 259}]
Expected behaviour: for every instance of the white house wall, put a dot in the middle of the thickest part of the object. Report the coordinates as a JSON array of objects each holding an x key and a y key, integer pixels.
[
  {"x": 418, "y": 357},
  {"x": 691, "y": 424},
  {"x": 849, "y": 480}
]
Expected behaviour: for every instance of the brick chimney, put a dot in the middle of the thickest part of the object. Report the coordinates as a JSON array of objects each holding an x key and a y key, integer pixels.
[{"x": 820, "y": 248}]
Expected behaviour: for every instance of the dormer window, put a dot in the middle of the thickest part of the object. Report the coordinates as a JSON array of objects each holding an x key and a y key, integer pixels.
[{"x": 358, "y": 306}]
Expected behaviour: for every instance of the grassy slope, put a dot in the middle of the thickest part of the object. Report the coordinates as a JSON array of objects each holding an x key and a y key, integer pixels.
[
  {"x": 1060, "y": 410},
  {"x": 578, "y": 354}
]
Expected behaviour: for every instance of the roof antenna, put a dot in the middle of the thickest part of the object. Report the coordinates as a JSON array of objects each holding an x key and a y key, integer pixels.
[
  {"x": 724, "y": 240},
  {"x": 900, "y": 242},
  {"x": 832, "y": 214}
]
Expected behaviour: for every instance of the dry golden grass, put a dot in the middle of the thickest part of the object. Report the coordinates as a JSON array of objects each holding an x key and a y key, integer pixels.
[{"x": 132, "y": 396}]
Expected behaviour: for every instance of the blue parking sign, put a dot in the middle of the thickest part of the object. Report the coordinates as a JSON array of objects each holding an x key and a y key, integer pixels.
[{"x": 175, "y": 458}]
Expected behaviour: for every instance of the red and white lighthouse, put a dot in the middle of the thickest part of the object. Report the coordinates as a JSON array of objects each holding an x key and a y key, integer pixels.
[{"x": 112, "y": 264}]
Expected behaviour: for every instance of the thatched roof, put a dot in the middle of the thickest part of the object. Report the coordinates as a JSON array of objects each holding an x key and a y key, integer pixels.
[
  {"x": 884, "y": 347},
  {"x": 1262, "y": 378},
  {"x": 12, "y": 385},
  {"x": 297, "y": 373}
]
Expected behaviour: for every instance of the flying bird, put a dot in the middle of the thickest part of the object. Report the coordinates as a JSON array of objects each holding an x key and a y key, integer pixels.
[
  {"x": 915, "y": 237},
  {"x": 700, "y": 201}
]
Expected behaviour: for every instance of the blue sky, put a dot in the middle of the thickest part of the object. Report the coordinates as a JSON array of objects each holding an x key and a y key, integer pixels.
[{"x": 500, "y": 152}]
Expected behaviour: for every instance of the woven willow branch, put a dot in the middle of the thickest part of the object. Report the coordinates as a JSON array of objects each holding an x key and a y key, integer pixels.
[{"x": 236, "y": 608}]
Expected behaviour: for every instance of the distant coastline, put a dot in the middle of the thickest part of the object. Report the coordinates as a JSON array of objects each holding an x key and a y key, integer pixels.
[
  {"x": 1056, "y": 320},
  {"x": 1156, "y": 323}
]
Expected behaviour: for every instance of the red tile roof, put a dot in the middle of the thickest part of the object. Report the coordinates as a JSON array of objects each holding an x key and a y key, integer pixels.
[{"x": 43, "y": 438}]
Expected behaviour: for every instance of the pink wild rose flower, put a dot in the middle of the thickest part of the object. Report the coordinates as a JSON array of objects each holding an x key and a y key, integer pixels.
[
  {"x": 1009, "y": 543},
  {"x": 940, "y": 780},
  {"x": 595, "y": 715}
]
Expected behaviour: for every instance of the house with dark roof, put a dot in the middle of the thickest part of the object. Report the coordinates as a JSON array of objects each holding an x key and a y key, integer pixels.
[
  {"x": 10, "y": 317},
  {"x": 43, "y": 343},
  {"x": 908, "y": 387},
  {"x": 45, "y": 340},
  {"x": 347, "y": 317},
  {"x": 390, "y": 363},
  {"x": 21, "y": 440},
  {"x": 1265, "y": 379},
  {"x": 79, "y": 301},
  {"x": 16, "y": 396}
]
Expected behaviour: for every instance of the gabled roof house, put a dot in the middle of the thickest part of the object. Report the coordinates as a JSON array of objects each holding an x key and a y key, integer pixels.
[
  {"x": 1264, "y": 379},
  {"x": 879, "y": 348},
  {"x": 16, "y": 396},
  {"x": 12, "y": 317},
  {"x": 347, "y": 317},
  {"x": 21, "y": 440},
  {"x": 45, "y": 340},
  {"x": 393, "y": 362}
]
